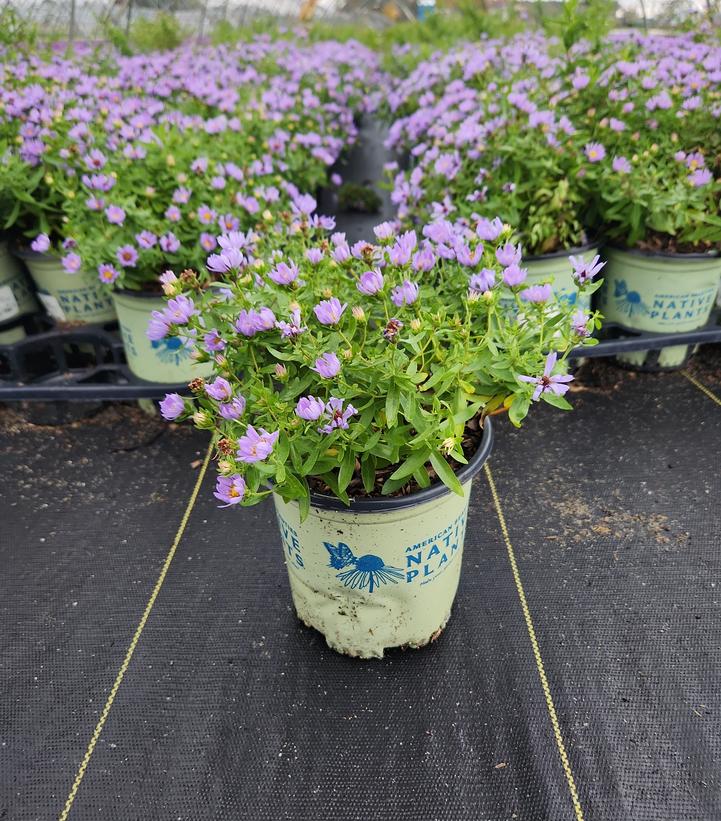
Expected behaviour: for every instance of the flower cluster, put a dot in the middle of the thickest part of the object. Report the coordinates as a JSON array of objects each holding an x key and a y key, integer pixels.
[
  {"x": 137, "y": 164},
  {"x": 359, "y": 372},
  {"x": 618, "y": 139}
]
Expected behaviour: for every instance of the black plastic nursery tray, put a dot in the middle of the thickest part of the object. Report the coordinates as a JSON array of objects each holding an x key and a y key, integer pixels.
[
  {"x": 78, "y": 364},
  {"x": 577, "y": 679}
]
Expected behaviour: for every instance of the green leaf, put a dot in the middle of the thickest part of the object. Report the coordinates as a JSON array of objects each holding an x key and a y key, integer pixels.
[
  {"x": 412, "y": 463},
  {"x": 347, "y": 468},
  {"x": 519, "y": 409},
  {"x": 556, "y": 401},
  {"x": 368, "y": 472},
  {"x": 445, "y": 473},
  {"x": 393, "y": 400}
]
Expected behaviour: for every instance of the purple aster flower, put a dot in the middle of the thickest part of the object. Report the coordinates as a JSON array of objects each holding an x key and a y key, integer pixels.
[
  {"x": 400, "y": 253},
  {"x": 385, "y": 231},
  {"x": 404, "y": 294},
  {"x": 424, "y": 259},
  {"x": 547, "y": 382},
  {"x": 200, "y": 165},
  {"x": 695, "y": 160},
  {"x": 169, "y": 243},
  {"x": 107, "y": 273},
  {"x": 229, "y": 489},
  {"x": 264, "y": 319},
  {"x": 304, "y": 204},
  {"x": 701, "y": 176},
  {"x": 206, "y": 215},
  {"x": 336, "y": 179},
  {"x": 245, "y": 323},
  {"x": 537, "y": 293},
  {"x": 227, "y": 261},
  {"x": 284, "y": 273},
  {"x": 219, "y": 389},
  {"x": 95, "y": 203},
  {"x": 127, "y": 256},
  {"x": 595, "y": 152},
  {"x": 514, "y": 275},
  {"x": 584, "y": 271},
  {"x": 158, "y": 326},
  {"x": 72, "y": 262},
  {"x": 621, "y": 165},
  {"x": 213, "y": 341},
  {"x": 314, "y": 255},
  {"x": 146, "y": 239},
  {"x": 329, "y": 311},
  {"x": 293, "y": 328},
  {"x": 172, "y": 406},
  {"x": 310, "y": 408},
  {"x": 371, "y": 282},
  {"x": 254, "y": 446},
  {"x": 233, "y": 409},
  {"x": 228, "y": 223},
  {"x": 172, "y": 213},
  {"x": 338, "y": 416},
  {"x": 482, "y": 281},
  {"x": 327, "y": 366},
  {"x": 179, "y": 310},
  {"x": 509, "y": 254},
  {"x": 207, "y": 241},
  {"x": 489, "y": 229},
  {"x": 341, "y": 253},
  {"x": 115, "y": 214},
  {"x": 579, "y": 323},
  {"x": 40, "y": 244},
  {"x": 181, "y": 195}
]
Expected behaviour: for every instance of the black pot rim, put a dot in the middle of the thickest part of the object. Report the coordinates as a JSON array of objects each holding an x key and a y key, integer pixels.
[
  {"x": 28, "y": 253},
  {"x": 579, "y": 249},
  {"x": 639, "y": 252},
  {"x": 382, "y": 504}
]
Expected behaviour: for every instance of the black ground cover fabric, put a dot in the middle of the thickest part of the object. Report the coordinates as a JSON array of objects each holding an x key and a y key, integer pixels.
[{"x": 232, "y": 710}]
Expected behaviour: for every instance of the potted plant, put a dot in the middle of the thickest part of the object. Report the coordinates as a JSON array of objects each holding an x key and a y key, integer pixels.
[
  {"x": 355, "y": 386},
  {"x": 651, "y": 113},
  {"x": 488, "y": 138}
]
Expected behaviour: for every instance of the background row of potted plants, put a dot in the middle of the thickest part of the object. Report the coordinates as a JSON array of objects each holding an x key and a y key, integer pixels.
[
  {"x": 577, "y": 144},
  {"x": 114, "y": 169}
]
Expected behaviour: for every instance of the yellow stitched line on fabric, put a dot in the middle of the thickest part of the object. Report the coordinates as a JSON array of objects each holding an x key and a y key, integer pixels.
[
  {"x": 536, "y": 650},
  {"x": 134, "y": 641},
  {"x": 711, "y": 395}
]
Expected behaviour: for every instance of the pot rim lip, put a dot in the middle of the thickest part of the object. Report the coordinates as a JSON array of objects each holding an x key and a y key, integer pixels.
[
  {"x": 381, "y": 504},
  {"x": 28, "y": 253},
  {"x": 667, "y": 255},
  {"x": 577, "y": 249}
]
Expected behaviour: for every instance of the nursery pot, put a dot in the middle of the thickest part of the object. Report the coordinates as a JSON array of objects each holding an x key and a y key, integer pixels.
[
  {"x": 16, "y": 293},
  {"x": 78, "y": 298},
  {"x": 166, "y": 360},
  {"x": 659, "y": 292},
  {"x": 383, "y": 572}
]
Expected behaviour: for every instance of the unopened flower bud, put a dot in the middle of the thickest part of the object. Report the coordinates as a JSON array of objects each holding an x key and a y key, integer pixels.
[
  {"x": 327, "y": 293},
  {"x": 170, "y": 160},
  {"x": 281, "y": 372},
  {"x": 488, "y": 295},
  {"x": 358, "y": 313},
  {"x": 267, "y": 216},
  {"x": 347, "y": 353},
  {"x": 415, "y": 324},
  {"x": 225, "y": 466},
  {"x": 448, "y": 444},
  {"x": 202, "y": 419},
  {"x": 221, "y": 360}
]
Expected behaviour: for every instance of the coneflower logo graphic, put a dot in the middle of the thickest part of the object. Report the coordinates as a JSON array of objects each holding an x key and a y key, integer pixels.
[{"x": 364, "y": 572}]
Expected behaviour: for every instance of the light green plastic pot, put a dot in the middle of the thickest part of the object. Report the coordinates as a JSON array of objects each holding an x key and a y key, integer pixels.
[
  {"x": 382, "y": 573},
  {"x": 78, "y": 298},
  {"x": 168, "y": 360},
  {"x": 16, "y": 293},
  {"x": 11, "y": 334},
  {"x": 661, "y": 293}
]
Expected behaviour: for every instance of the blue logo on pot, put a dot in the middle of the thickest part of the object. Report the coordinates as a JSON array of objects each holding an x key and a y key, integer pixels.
[
  {"x": 628, "y": 302},
  {"x": 170, "y": 350},
  {"x": 363, "y": 572}
]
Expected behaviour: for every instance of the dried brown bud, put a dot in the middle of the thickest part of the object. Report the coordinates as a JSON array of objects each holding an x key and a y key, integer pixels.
[
  {"x": 196, "y": 385},
  {"x": 225, "y": 446}
]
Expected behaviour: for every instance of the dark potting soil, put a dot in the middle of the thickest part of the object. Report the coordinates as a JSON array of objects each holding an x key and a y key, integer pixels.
[{"x": 667, "y": 244}]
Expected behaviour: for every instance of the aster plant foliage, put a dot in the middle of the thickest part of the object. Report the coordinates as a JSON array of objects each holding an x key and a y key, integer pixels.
[{"x": 369, "y": 361}]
